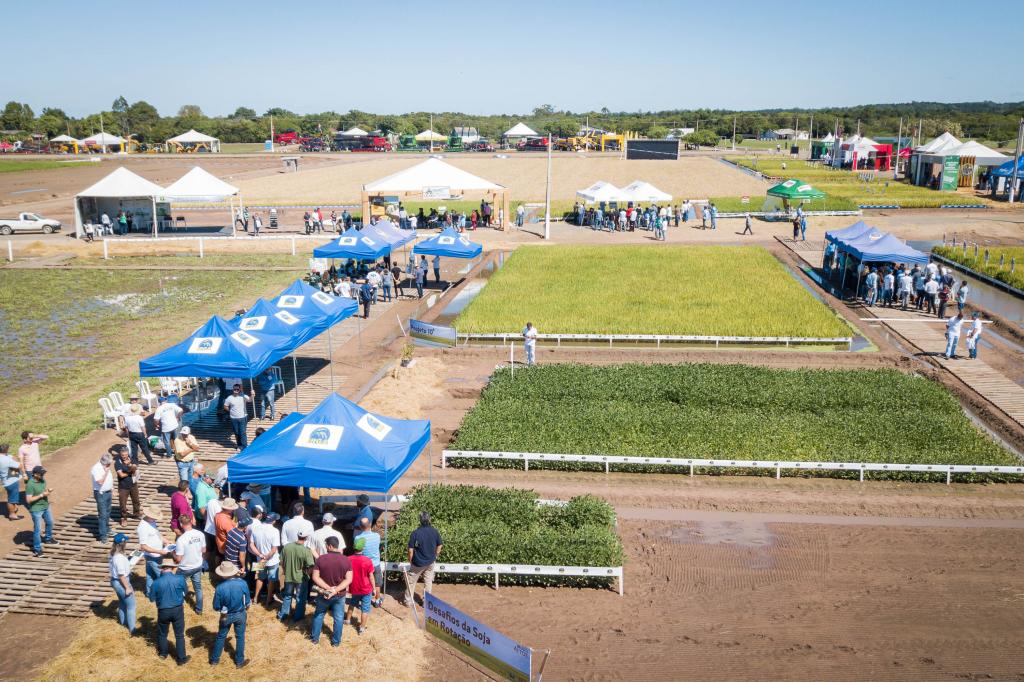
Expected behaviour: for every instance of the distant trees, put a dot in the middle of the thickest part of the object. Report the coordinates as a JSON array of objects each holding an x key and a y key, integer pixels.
[
  {"x": 704, "y": 138},
  {"x": 17, "y": 116}
]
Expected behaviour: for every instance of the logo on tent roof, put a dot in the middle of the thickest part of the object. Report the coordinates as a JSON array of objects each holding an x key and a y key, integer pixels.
[
  {"x": 254, "y": 324},
  {"x": 319, "y": 436},
  {"x": 205, "y": 345},
  {"x": 321, "y": 297},
  {"x": 291, "y": 301},
  {"x": 875, "y": 235},
  {"x": 286, "y": 317},
  {"x": 367, "y": 241},
  {"x": 789, "y": 183},
  {"x": 373, "y": 426},
  {"x": 463, "y": 241},
  {"x": 347, "y": 241},
  {"x": 247, "y": 340},
  {"x": 447, "y": 241},
  {"x": 803, "y": 188}
]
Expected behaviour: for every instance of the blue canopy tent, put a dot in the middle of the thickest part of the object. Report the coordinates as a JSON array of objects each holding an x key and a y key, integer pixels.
[
  {"x": 1006, "y": 170},
  {"x": 449, "y": 244},
  {"x": 852, "y": 232},
  {"x": 386, "y": 231},
  {"x": 353, "y": 244},
  {"x": 879, "y": 247}
]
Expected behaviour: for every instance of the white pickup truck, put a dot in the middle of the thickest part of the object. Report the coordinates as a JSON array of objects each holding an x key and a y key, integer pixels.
[{"x": 29, "y": 222}]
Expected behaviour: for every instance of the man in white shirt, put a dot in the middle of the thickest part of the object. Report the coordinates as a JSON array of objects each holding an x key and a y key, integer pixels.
[
  {"x": 953, "y": 327},
  {"x": 235, "y": 406},
  {"x": 190, "y": 552},
  {"x": 906, "y": 286},
  {"x": 102, "y": 492},
  {"x": 343, "y": 288},
  {"x": 320, "y": 535},
  {"x": 529, "y": 342},
  {"x": 166, "y": 415},
  {"x": 212, "y": 509},
  {"x": 373, "y": 277},
  {"x": 265, "y": 543},
  {"x": 973, "y": 334},
  {"x": 105, "y": 222},
  {"x": 290, "y": 529},
  {"x": 931, "y": 291},
  {"x": 151, "y": 543},
  {"x": 138, "y": 436}
]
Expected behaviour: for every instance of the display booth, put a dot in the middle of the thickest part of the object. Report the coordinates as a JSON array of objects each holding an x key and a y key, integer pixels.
[
  {"x": 518, "y": 132},
  {"x": 602, "y": 192},
  {"x": 65, "y": 144},
  {"x": 192, "y": 141},
  {"x": 646, "y": 193},
  {"x": 105, "y": 142},
  {"x": 200, "y": 186},
  {"x": 862, "y": 153},
  {"x": 146, "y": 202}
]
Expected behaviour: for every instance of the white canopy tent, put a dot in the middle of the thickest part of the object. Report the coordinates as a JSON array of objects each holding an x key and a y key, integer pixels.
[
  {"x": 646, "y": 192},
  {"x": 983, "y": 156},
  {"x": 193, "y": 139},
  {"x": 104, "y": 140},
  {"x": 519, "y": 131},
  {"x": 356, "y": 131},
  {"x": 66, "y": 141},
  {"x": 122, "y": 190},
  {"x": 602, "y": 191},
  {"x": 64, "y": 138},
  {"x": 430, "y": 136},
  {"x": 939, "y": 145},
  {"x": 199, "y": 185},
  {"x": 434, "y": 179}
]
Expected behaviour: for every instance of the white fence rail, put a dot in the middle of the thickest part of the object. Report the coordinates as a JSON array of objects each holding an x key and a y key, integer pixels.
[
  {"x": 658, "y": 339},
  {"x": 402, "y": 499},
  {"x": 778, "y": 465},
  {"x": 523, "y": 569}
]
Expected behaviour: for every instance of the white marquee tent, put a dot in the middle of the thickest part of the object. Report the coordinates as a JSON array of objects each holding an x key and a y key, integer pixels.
[
  {"x": 939, "y": 145},
  {"x": 104, "y": 140},
  {"x": 641, "y": 191},
  {"x": 983, "y": 156},
  {"x": 193, "y": 138},
  {"x": 430, "y": 136},
  {"x": 519, "y": 131},
  {"x": 602, "y": 191},
  {"x": 122, "y": 190},
  {"x": 200, "y": 185},
  {"x": 356, "y": 131}
]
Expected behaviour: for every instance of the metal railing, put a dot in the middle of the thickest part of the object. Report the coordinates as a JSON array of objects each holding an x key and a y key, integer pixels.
[
  {"x": 658, "y": 339},
  {"x": 522, "y": 569}
]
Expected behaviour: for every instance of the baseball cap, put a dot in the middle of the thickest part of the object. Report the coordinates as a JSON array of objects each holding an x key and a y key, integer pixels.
[
  {"x": 303, "y": 533},
  {"x": 272, "y": 517},
  {"x": 119, "y": 538},
  {"x": 185, "y": 430},
  {"x": 245, "y": 522},
  {"x": 359, "y": 544},
  {"x": 329, "y": 518},
  {"x": 162, "y": 399},
  {"x": 38, "y": 469}
]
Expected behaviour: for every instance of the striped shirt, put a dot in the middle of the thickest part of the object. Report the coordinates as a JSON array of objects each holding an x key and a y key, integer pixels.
[{"x": 234, "y": 547}]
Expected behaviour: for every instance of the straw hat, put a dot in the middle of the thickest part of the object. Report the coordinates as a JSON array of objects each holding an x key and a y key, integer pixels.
[
  {"x": 226, "y": 569},
  {"x": 228, "y": 504},
  {"x": 168, "y": 562},
  {"x": 152, "y": 512}
]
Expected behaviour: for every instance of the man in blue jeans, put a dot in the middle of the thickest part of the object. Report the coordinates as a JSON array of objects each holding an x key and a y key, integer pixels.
[
  {"x": 103, "y": 492},
  {"x": 268, "y": 385},
  {"x": 332, "y": 574},
  {"x": 235, "y": 406},
  {"x": 152, "y": 544},
  {"x": 231, "y": 599},
  {"x": 37, "y": 497},
  {"x": 168, "y": 594}
]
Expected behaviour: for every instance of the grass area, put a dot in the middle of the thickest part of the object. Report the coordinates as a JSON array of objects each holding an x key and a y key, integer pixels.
[
  {"x": 257, "y": 260},
  {"x": 19, "y": 165},
  {"x": 481, "y": 525},
  {"x": 992, "y": 269},
  {"x": 706, "y": 290},
  {"x": 240, "y": 147},
  {"x": 390, "y": 649},
  {"x": 845, "y": 190},
  {"x": 724, "y": 412},
  {"x": 73, "y": 336}
]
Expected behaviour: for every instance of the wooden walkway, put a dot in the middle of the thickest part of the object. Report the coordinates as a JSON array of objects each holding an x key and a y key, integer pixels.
[
  {"x": 72, "y": 579},
  {"x": 927, "y": 334}
]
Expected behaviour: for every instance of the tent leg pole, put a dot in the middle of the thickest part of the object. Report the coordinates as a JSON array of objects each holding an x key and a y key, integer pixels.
[
  {"x": 384, "y": 587},
  {"x": 330, "y": 356},
  {"x": 295, "y": 374},
  {"x": 430, "y": 463},
  {"x": 252, "y": 394}
]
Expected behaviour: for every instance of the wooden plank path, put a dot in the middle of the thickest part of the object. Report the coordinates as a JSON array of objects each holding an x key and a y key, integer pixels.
[{"x": 927, "y": 334}]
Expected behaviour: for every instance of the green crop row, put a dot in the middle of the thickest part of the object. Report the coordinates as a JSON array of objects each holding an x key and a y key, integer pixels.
[
  {"x": 992, "y": 268},
  {"x": 704, "y": 290},
  {"x": 481, "y": 525},
  {"x": 710, "y": 411}
]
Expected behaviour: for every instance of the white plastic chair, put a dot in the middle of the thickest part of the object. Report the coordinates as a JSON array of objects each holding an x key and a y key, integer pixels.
[
  {"x": 110, "y": 415},
  {"x": 168, "y": 385},
  {"x": 184, "y": 383},
  {"x": 278, "y": 383},
  {"x": 116, "y": 400},
  {"x": 146, "y": 395}
]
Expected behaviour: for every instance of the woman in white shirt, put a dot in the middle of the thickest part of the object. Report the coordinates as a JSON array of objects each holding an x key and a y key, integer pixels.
[{"x": 120, "y": 581}]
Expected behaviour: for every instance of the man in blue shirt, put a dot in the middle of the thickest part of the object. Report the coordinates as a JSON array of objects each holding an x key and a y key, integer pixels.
[
  {"x": 364, "y": 512},
  {"x": 366, "y": 298},
  {"x": 231, "y": 599},
  {"x": 168, "y": 593},
  {"x": 425, "y": 546}
]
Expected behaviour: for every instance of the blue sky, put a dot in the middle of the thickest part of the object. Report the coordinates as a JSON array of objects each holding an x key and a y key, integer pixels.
[{"x": 493, "y": 58}]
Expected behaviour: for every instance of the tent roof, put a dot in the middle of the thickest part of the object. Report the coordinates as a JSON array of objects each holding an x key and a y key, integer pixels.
[
  {"x": 828, "y": 138},
  {"x": 985, "y": 156},
  {"x": 193, "y": 135},
  {"x": 450, "y": 244},
  {"x": 875, "y": 246},
  {"x": 124, "y": 183},
  {"x": 300, "y": 313},
  {"x": 1006, "y": 170},
  {"x": 940, "y": 144},
  {"x": 353, "y": 244},
  {"x": 63, "y": 138},
  {"x": 645, "y": 191},
  {"x": 386, "y": 231},
  {"x": 430, "y": 173},
  {"x": 520, "y": 130},
  {"x": 854, "y": 231},
  {"x": 355, "y": 130},
  {"x": 103, "y": 138},
  {"x": 338, "y": 445},
  {"x": 603, "y": 191},
  {"x": 794, "y": 189},
  {"x": 428, "y": 135},
  {"x": 200, "y": 185}
]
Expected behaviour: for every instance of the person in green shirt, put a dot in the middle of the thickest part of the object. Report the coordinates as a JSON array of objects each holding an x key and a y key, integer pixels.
[
  {"x": 204, "y": 493},
  {"x": 37, "y": 496},
  {"x": 296, "y": 563}
]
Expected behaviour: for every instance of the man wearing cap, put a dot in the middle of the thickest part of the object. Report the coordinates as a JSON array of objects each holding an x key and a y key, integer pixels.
[
  {"x": 236, "y": 542},
  {"x": 231, "y": 600},
  {"x": 185, "y": 450},
  {"x": 364, "y": 511},
  {"x": 127, "y": 482},
  {"x": 235, "y": 406},
  {"x": 103, "y": 492},
  {"x": 319, "y": 541},
  {"x": 332, "y": 574},
  {"x": 168, "y": 593},
  {"x": 37, "y": 496},
  {"x": 166, "y": 415},
  {"x": 425, "y": 546},
  {"x": 138, "y": 435},
  {"x": 190, "y": 553},
  {"x": 152, "y": 544},
  {"x": 363, "y": 586},
  {"x": 266, "y": 545},
  {"x": 224, "y": 521},
  {"x": 296, "y": 563},
  {"x": 371, "y": 550}
]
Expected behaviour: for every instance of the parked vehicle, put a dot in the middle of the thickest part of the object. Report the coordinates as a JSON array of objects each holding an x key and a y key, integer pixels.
[
  {"x": 286, "y": 137},
  {"x": 481, "y": 145},
  {"x": 29, "y": 222},
  {"x": 313, "y": 144},
  {"x": 360, "y": 143},
  {"x": 534, "y": 144}
]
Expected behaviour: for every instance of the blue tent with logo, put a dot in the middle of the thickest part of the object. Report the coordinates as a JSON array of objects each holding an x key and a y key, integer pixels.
[
  {"x": 298, "y": 325},
  {"x": 875, "y": 247},
  {"x": 449, "y": 244},
  {"x": 858, "y": 229},
  {"x": 1006, "y": 170},
  {"x": 218, "y": 349},
  {"x": 385, "y": 231},
  {"x": 313, "y": 306},
  {"x": 354, "y": 244},
  {"x": 338, "y": 445}
]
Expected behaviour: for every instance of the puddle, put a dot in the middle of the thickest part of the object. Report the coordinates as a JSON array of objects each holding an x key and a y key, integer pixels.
[
  {"x": 754, "y": 534},
  {"x": 859, "y": 342},
  {"x": 470, "y": 291}
]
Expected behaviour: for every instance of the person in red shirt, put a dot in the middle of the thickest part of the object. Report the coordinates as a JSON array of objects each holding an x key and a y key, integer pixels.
[
  {"x": 180, "y": 506},
  {"x": 363, "y": 585}
]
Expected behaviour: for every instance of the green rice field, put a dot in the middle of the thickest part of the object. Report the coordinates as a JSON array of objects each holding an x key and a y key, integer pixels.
[{"x": 992, "y": 268}]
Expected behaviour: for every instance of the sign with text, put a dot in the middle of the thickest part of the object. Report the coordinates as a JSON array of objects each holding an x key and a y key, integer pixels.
[
  {"x": 437, "y": 192},
  {"x": 432, "y": 335},
  {"x": 950, "y": 172},
  {"x": 486, "y": 646}
]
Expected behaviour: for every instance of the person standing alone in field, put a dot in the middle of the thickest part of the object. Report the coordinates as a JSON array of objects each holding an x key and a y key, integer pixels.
[
  {"x": 425, "y": 545},
  {"x": 748, "y": 225},
  {"x": 530, "y": 342}
]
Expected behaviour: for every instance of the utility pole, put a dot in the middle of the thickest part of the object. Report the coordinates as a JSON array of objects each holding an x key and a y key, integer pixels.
[
  {"x": 103, "y": 134},
  {"x": 431, "y": 131},
  {"x": 1016, "y": 162},
  {"x": 271, "y": 132},
  {"x": 734, "y": 133},
  {"x": 547, "y": 196},
  {"x": 810, "y": 139},
  {"x": 896, "y": 161}
]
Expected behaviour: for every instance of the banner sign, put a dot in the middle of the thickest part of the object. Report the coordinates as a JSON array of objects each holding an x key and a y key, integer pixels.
[
  {"x": 486, "y": 646},
  {"x": 950, "y": 172},
  {"x": 437, "y": 192},
  {"x": 430, "y": 335}
]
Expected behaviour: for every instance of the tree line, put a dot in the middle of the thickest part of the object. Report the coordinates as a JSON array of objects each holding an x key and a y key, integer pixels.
[{"x": 989, "y": 121}]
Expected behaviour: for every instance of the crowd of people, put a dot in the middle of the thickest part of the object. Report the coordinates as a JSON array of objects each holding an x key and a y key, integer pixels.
[
  {"x": 655, "y": 218},
  {"x": 373, "y": 282}
]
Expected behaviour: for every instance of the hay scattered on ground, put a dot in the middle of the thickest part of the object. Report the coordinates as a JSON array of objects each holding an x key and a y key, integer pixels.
[
  {"x": 404, "y": 391},
  {"x": 391, "y": 649}
]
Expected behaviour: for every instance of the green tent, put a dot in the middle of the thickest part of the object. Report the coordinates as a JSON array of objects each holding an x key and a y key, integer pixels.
[{"x": 795, "y": 190}]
